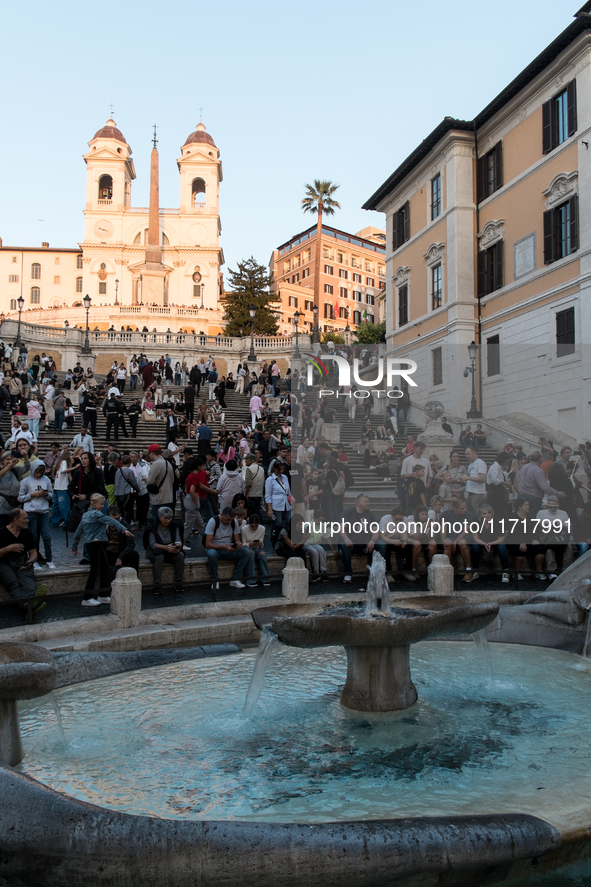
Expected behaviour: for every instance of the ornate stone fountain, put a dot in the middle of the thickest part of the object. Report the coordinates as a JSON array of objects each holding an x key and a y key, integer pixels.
[
  {"x": 26, "y": 671},
  {"x": 377, "y": 638}
]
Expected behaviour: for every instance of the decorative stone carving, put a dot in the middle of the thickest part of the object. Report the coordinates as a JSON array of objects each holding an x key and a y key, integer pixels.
[
  {"x": 434, "y": 409},
  {"x": 434, "y": 254},
  {"x": 402, "y": 276},
  {"x": 492, "y": 232},
  {"x": 562, "y": 187}
]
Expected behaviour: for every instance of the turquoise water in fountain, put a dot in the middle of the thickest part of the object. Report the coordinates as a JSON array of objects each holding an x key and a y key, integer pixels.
[{"x": 173, "y": 742}]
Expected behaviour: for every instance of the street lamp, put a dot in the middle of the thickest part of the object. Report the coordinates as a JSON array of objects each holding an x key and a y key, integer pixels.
[
  {"x": 296, "y": 320},
  {"x": 116, "y": 292},
  {"x": 86, "y": 346},
  {"x": 202, "y": 291},
  {"x": 347, "y": 329},
  {"x": 473, "y": 412},
  {"x": 20, "y": 302},
  {"x": 252, "y": 311},
  {"x": 315, "y": 336}
]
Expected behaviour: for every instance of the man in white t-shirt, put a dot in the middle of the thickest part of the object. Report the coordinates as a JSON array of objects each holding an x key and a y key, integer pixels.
[
  {"x": 475, "y": 478},
  {"x": 252, "y": 535},
  {"x": 222, "y": 542},
  {"x": 393, "y": 540},
  {"x": 551, "y": 534},
  {"x": 417, "y": 458}
]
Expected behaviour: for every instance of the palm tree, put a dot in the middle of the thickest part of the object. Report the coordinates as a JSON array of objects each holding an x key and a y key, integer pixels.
[{"x": 319, "y": 200}]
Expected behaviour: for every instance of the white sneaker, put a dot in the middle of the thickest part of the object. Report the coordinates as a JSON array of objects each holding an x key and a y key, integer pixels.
[
  {"x": 51, "y": 565},
  {"x": 186, "y": 548},
  {"x": 505, "y": 577},
  {"x": 91, "y": 602},
  {"x": 552, "y": 576},
  {"x": 541, "y": 576},
  {"x": 237, "y": 584},
  {"x": 36, "y": 566},
  {"x": 104, "y": 600},
  {"x": 520, "y": 577}
]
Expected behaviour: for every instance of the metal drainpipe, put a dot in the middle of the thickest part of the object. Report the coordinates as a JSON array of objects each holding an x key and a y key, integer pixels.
[{"x": 479, "y": 327}]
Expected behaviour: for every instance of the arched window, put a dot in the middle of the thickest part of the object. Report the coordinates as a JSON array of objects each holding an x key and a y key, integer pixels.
[
  {"x": 35, "y": 271},
  {"x": 13, "y": 304},
  {"x": 138, "y": 237},
  {"x": 197, "y": 188},
  {"x": 105, "y": 189},
  {"x": 165, "y": 240},
  {"x": 79, "y": 263},
  {"x": 78, "y": 284},
  {"x": 35, "y": 295}
]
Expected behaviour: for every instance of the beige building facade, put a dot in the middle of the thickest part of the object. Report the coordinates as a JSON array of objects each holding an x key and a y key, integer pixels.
[
  {"x": 124, "y": 259},
  {"x": 489, "y": 240}
]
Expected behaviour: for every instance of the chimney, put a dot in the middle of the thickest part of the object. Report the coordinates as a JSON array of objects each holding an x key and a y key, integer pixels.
[
  {"x": 0, "y": 241},
  {"x": 45, "y": 244}
]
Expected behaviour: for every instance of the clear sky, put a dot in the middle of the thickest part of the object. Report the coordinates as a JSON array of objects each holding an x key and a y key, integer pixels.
[{"x": 291, "y": 92}]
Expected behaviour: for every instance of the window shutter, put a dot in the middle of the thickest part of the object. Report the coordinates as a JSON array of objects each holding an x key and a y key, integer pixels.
[
  {"x": 498, "y": 258},
  {"x": 571, "y": 93},
  {"x": 406, "y": 221},
  {"x": 569, "y": 326},
  {"x": 498, "y": 165},
  {"x": 547, "y": 127},
  {"x": 548, "y": 237},
  {"x": 481, "y": 179},
  {"x": 574, "y": 223},
  {"x": 482, "y": 273},
  {"x": 395, "y": 243}
]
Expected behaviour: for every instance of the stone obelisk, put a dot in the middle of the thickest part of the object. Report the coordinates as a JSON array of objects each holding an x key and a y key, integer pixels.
[{"x": 153, "y": 272}]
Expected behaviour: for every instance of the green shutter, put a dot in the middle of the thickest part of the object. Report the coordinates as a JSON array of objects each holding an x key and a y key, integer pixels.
[
  {"x": 571, "y": 93},
  {"x": 547, "y": 129}
]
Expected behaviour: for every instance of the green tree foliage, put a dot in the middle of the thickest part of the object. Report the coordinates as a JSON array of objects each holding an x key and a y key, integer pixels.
[
  {"x": 250, "y": 285},
  {"x": 332, "y": 337},
  {"x": 368, "y": 333}
]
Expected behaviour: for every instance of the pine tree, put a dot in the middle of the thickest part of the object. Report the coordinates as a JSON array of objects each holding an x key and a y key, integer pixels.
[{"x": 250, "y": 285}]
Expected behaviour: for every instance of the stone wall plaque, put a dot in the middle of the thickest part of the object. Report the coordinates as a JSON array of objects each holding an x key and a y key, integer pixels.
[{"x": 524, "y": 256}]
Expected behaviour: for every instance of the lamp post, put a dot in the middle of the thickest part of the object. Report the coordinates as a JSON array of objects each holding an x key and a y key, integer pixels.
[
  {"x": 347, "y": 330},
  {"x": 296, "y": 320},
  {"x": 202, "y": 291},
  {"x": 315, "y": 336},
  {"x": 473, "y": 412},
  {"x": 86, "y": 346},
  {"x": 20, "y": 302},
  {"x": 116, "y": 292},
  {"x": 252, "y": 311}
]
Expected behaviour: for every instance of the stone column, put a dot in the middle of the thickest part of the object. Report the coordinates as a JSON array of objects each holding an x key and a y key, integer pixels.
[
  {"x": 296, "y": 580},
  {"x": 126, "y": 597},
  {"x": 440, "y": 575}
]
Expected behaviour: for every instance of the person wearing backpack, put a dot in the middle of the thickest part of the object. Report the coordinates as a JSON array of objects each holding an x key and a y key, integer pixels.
[
  {"x": 334, "y": 488},
  {"x": 160, "y": 481},
  {"x": 223, "y": 542},
  {"x": 125, "y": 485}
]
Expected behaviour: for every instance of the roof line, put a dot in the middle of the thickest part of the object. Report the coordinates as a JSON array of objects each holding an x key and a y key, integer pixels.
[
  {"x": 330, "y": 228},
  {"x": 42, "y": 249}
]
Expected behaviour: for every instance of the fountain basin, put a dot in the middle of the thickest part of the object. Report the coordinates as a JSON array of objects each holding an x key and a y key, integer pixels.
[
  {"x": 377, "y": 645},
  {"x": 26, "y": 671}
]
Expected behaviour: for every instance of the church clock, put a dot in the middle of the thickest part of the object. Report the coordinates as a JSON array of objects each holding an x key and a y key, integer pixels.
[{"x": 104, "y": 230}]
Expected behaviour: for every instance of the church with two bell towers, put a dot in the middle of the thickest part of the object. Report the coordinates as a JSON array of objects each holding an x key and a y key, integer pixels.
[{"x": 133, "y": 259}]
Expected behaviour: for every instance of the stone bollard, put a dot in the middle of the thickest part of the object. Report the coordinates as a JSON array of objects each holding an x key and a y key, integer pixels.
[
  {"x": 126, "y": 597},
  {"x": 440, "y": 575},
  {"x": 295, "y": 581}
]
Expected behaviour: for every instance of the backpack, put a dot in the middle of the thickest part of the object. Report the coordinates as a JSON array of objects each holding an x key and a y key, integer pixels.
[
  {"x": 213, "y": 376},
  {"x": 155, "y": 488},
  {"x": 339, "y": 487},
  {"x": 153, "y": 528},
  {"x": 276, "y": 533}
]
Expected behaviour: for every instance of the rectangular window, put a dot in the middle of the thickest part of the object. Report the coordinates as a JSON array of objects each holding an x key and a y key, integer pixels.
[
  {"x": 328, "y": 288},
  {"x": 305, "y": 273},
  {"x": 357, "y": 278},
  {"x": 293, "y": 302},
  {"x": 326, "y": 252},
  {"x": 565, "y": 332},
  {"x": 369, "y": 281},
  {"x": 295, "y": 277},
  {"x": 381, "y": 271},
  {"x": 308, "y": 306},
  {"x": 357, "y": 296},
  {"x": 328, "y": 269},
  {"x": 14, "y": 260},
  {"x": 328, "y": 312},
  {"x": 103, "y": 288},
  {"x": 79, "y": 262},
  {"x": 357, "y": 317},
  {"x": 561, "y": 231},
  {"x": 297, "y": 261},
  {"x": 559, "y": 118},
  {"x": 56, "y": 280},
  {"x": 343, "y": 292},
  {"x": 436, "y": 287},
  {"x": 403, "y": 305},
  {"x": 490, "y": 172},
  {"x": 35, "y": 295},
  {"x": 343, "y": 313},
  {"x": 57, "y": 260},
  {"x": 341, "y": 258},
  {"x": 437, "y": 366},
  {"x": 368, "y": 266},
  {"x": 13, "y": 278},
  {"x": 382, "y": 285},
  {"x": 355, "y": 262},
  {"x": 196, "y": 290},
  {"x": 370, "y": 318},
  {"x": 286, "y": 267},
  {"x": 78, "y": 284},
  {"x": 343, "y": 273},
  {"x": 436, "y": 196},
  {"x": 493, "y": 356},
  {"x": 306, "y": 255},
  {"x": 490, "y": 269},
  {"x": 370, "y": 299},
  {"x": 401, "y": 226}
]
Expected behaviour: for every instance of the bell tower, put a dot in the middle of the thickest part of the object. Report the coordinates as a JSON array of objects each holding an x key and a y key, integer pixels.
[{"x": 109, "y": 174}]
